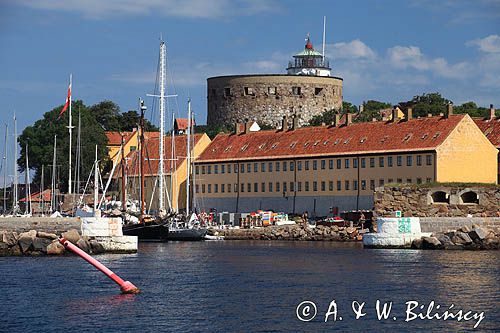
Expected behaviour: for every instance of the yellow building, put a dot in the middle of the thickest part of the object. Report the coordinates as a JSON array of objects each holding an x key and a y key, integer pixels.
[
  {"x": 317, "y": 169},
  {"x": 175, "y": 169}
]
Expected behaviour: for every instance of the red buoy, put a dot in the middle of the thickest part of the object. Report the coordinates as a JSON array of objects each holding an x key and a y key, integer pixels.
[{"x": 126, "y": 287}]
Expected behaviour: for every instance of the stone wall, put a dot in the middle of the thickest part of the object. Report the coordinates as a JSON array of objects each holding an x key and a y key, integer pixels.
[
  {"x": 438, "y": 201},
  {"x": 43, "y": 224},
  {"x": 445, "y": 224},
  {"x": 236, "y": 98}
]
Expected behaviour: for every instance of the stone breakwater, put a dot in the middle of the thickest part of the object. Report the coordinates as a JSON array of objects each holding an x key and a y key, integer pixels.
[
  {"x": 465, "y": 238},
  {"x": 291, "y": 233},
  {"x": 36, "y": 243}
]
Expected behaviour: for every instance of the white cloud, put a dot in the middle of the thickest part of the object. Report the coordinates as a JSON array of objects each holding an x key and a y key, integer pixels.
[
  {"x": 354, "y": 49},
  {"x": 490, "y": 44},
  {"x": 98, "y": 9}
]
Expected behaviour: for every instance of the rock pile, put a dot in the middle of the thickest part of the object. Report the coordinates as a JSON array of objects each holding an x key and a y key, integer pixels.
[
  {"x": 40, "y": 243},
  {"x": 293, "y": 233},
  {"x": 464, "y": 238}
]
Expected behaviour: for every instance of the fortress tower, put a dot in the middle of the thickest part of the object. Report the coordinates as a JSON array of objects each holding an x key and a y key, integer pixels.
[{"x": 306, "y": 90}]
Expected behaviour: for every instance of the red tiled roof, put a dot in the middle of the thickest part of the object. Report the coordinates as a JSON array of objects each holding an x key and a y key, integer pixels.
[
  {"x": 151, "y": 154},
  {"x": 182, "y": 123},
  {"x": 115, "y": 138},
  {"x": 37, "y": 197},
  {"x": 369, "y": 137},
  {"x": 490, "y": 128}
]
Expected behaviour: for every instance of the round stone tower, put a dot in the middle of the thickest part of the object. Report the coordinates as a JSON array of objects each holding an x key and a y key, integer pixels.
[{"x": 305, "y": 91}]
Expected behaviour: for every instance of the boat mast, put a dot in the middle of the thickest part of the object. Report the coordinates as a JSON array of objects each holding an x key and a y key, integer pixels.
[
  {"x": 70, "y": 127},
  {"x": 27, "y": 185},
  {"x": 188, "y": 164},
  {"x": 76, "y": 188},
  {"x": 324, "y": 36},
  {"x": 124, "y": 206},
  {"x": 191, "y": 126},
  {"x": 5, "y": 170},
  {"x": 53, "y": 185},
  {"x": 41, "y": 193},
  {"x": 15, "y": 204},
  {"x": 162, "y": 121},
  {"x": 172, "y": 165},
  {"x": 96, "y": 183},
  {"x": 141, "y": 156}
]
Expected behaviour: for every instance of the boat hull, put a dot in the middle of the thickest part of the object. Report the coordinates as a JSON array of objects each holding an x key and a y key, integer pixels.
[
  {"x": 186, "y": 234},
  {"x": 147, "y": 232}
]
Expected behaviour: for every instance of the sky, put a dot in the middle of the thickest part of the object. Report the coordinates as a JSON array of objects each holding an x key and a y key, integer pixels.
[{"x": 384, "y": 50}]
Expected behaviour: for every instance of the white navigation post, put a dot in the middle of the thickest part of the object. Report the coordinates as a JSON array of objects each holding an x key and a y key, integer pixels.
[{"x": 70, "y": 127}]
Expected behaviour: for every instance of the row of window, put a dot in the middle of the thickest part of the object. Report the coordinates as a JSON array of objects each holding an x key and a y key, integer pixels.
[
  {"x": 295, "y": 90},
  {"x": 297, "y": 187},
  {"x": 315, "y": 164}
]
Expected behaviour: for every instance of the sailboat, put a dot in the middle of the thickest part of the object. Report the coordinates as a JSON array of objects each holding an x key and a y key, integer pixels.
[
  {"x": 187, "y": 227},
  {"x": 147, "y": 229}
]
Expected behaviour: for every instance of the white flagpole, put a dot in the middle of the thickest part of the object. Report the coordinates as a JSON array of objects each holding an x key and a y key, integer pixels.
[{"x": 70, "y": 127}]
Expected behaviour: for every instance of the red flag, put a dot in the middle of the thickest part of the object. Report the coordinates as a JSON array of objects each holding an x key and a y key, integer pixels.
[{"x": 66, "y": 105}]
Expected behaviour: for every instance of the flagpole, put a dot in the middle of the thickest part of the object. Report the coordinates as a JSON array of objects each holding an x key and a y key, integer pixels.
[{"x": 70, "y": 133}]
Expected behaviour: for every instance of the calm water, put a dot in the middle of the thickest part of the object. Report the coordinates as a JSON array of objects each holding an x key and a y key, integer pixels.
[{"x": 246, "y": 286}]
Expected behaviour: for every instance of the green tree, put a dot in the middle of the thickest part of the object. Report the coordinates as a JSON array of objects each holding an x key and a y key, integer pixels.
[
  {"x": 213, "y": 130},
  {"x": 40, "y": 140},
  {"x": 472, "y": 109},
  {"x": 371, "y": 110},
  {"x": 130, "y": 120},
  {"x": 422, "y": 105}
]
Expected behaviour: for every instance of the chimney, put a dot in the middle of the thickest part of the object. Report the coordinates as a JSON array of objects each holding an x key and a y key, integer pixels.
[
  {"x": 337, "y": 120},
  {"x": 237, "y": 130},
  {"x": 374, "y": 119},
  {"x": 248, "y": 124},
  {"x": 348, "y": 119},
  {"x": 284, "y": 123},
  {"x": 429, "y": 115},
  {"x": 449, "y": 110},
  {"x": 295, "y": 122},
  {"x": 361, "y": 108},
  {"x": 395, "y": 114},
  {"x": 492, "y": 112},
  {"x": 409, "y": 114}
]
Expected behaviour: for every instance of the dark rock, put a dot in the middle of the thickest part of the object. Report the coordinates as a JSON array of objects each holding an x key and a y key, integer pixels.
[
  {"x": 71, "y": 235},
  {"x": 10, "y": 238},
  {"x": 478, "y": 234},
  {"x": 4, "y": 249},
  {"x": 445, "y": 240},
  {"x": 431, "y": 243},
  {"x": 47, "y": 235},
  {"x": 83, "y": 245},
  {"x": 461, "y": 238},
  {"x": 40, "y": 244},
  {"x": 55, "y": 248},
  {"x": 454, "y": 247},
  {"x": 15, "y": 250},
  {"x": 416, "y": 243}
]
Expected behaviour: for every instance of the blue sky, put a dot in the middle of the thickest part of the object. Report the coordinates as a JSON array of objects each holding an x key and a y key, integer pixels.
[{"x": 385, "y": 50}]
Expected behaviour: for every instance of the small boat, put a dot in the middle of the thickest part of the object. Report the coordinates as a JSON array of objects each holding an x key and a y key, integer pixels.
[
  {"x": 180, "y": 230},
  {"x": 213, "y": 238}
]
